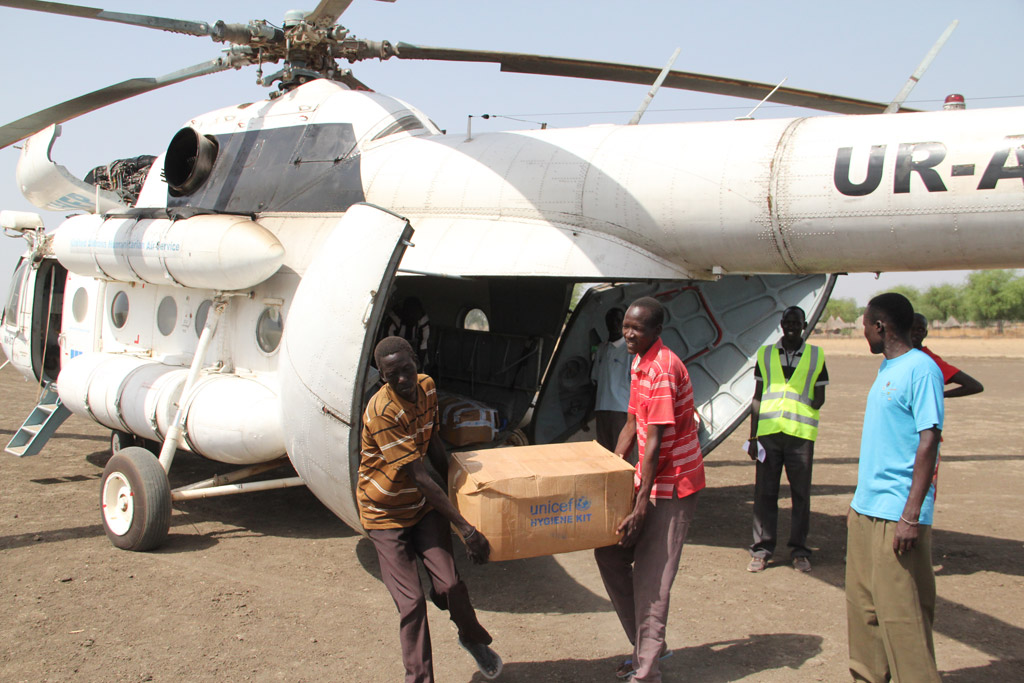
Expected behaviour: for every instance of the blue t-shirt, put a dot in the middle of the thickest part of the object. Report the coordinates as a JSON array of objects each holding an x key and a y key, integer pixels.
[
  {"x": 905, "y": 399},
  {"x": 611, "y": 374}
]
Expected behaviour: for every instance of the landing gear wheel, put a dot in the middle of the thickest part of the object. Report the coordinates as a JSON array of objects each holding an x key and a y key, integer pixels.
[
  {"x": 121, "y": 440},
  {"x": 517, "y": 437},
  {"x": 135, "y": 499}
]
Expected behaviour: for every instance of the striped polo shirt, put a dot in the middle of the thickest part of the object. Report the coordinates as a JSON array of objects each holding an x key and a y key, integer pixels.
[
  {"x": 395, "y": 433},
  {"x": 661, "y": 393}
]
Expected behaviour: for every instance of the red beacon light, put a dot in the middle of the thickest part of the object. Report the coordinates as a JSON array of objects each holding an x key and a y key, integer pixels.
[{"x": 954, "y": 102}]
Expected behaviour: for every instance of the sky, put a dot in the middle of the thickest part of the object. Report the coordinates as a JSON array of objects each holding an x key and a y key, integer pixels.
[{"x": 865, "y": 50}]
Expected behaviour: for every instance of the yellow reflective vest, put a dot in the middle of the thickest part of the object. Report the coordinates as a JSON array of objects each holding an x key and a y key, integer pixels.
[{"x": 786, "y": 404}]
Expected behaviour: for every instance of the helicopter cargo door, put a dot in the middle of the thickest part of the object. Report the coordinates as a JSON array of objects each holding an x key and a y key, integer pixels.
[
  {"x": 326, "y": 349},
  {"x": 715, "y": 327}
]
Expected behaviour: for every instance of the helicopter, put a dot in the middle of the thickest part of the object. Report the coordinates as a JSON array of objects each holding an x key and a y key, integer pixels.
[{"x": 224, "y": 297}]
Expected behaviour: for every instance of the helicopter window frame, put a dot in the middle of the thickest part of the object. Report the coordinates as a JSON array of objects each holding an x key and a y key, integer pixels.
[
  {"x": 80, "y": 304},
  {"x": 120, "y": 308},
  {"x": 167, "y": 315},
  {"x": 14, "y": 296},
  {"x": 269, "y": 329},
  {"x": 202, "y": 313},
  {"x": 408, "y": 123}
]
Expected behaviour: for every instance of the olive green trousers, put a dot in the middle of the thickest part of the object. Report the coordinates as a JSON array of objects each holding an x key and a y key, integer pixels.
[{"x": 890, "y": 604}]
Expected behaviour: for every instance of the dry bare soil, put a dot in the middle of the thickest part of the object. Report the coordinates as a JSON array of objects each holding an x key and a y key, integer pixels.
[{"x": 271, "y": 587}]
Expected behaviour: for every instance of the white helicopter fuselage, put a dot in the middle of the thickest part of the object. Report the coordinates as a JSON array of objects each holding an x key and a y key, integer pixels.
[
  {"x": 773, "y": 196},
  {"x": 826, "y": 194},
  {"x": 327, "y": 181}
]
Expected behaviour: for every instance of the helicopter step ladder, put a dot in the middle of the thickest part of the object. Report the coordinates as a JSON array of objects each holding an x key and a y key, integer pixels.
[{"x": 40, "y": 424}]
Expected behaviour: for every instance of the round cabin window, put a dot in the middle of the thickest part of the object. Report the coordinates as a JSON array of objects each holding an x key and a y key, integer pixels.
[
  {"x": 201, "y": 313},
  {"x": 476, "y": 319},
  {"x": 269, "y": 328},
  {"x": 119, "y": 310},
  {"x": 167, "y": 315},
  {"x": 80, "y": 304}
]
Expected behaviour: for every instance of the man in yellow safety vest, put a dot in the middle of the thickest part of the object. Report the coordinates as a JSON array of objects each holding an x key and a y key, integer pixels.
[{"x": 790, "y": 381}]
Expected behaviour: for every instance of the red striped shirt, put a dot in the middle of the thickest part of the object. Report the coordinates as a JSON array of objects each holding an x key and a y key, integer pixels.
[{"x": 660, "y": 393}]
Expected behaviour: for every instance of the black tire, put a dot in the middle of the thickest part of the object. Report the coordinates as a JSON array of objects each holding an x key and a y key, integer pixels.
[
  {"x": 516, "y": 437},
  {"x": 121, "y": 440},
  {"x": 135, "y": 500}
]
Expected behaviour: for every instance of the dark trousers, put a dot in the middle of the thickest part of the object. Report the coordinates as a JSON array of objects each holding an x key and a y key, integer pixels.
[
  {"x": 796, "y": 456},
  {"x": 609, "y": 424},
  {"x": 397, "y": 549}
]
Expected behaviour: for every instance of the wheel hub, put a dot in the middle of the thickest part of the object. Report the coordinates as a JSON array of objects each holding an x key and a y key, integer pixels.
[{"x": 118, "y": 503}]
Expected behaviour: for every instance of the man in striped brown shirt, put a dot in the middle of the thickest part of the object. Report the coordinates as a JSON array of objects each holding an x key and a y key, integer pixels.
[
  {"x": 407, "y": 515},
  {"x": 638, "y": 572}
]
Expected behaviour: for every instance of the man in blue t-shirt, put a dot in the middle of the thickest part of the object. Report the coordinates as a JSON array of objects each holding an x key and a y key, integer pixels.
[{"x": 890, "y": 585}]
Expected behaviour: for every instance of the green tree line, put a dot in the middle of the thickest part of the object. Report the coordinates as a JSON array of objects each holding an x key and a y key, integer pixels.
[{"x": 987, "y": 296}]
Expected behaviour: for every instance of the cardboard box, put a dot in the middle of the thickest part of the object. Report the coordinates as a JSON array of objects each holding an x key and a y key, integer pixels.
[
  {"x": 465, "y": 421},
  {"x": 542, "y": 500}
]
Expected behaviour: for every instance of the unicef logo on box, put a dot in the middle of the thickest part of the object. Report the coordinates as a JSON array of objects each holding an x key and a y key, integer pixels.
[{"x": 571, "y": 511}]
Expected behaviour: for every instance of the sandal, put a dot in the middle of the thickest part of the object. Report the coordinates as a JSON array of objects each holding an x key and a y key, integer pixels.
[
  {"x": 626, "y": 669},
  {"x": 487, "y": 660}
]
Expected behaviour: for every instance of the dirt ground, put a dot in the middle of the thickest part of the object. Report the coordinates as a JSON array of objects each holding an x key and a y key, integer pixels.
[{"x": 271, "y": 587}]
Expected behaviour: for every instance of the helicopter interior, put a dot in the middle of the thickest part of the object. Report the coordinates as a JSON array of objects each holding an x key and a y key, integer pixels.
[
  {"x": 489, "y": 339},
  {"x": 518, "y": 345}
]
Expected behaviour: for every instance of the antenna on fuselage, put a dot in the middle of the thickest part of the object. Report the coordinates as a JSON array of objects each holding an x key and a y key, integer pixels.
[
  {"x": 654, "y": 89},
  {"x": 894, "y": 106},
  {"x": 750, "y": 114}
]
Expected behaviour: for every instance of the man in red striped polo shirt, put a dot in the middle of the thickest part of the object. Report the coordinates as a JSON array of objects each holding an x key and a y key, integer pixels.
[{"x": 638, "y": 572}]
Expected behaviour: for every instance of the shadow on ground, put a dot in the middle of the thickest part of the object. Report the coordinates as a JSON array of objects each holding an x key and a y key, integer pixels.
[{"x": 718, "y": 662}]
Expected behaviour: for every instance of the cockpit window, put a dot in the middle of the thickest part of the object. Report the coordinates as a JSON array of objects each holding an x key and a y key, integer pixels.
[
  {"x": 406, "y": 124},
  {"x": 14, "y": 297}
]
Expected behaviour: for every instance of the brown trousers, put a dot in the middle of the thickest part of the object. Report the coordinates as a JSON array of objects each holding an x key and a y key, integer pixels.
[
  {"x": 430, "y": 539},
  {"x": 890, "y": 604},
  {"x": 639, "y": 579}
]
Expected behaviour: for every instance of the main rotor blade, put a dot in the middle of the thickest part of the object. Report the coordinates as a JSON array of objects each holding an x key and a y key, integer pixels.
[
  {"x": 644, "y": 75},
  {"x": 65, "y": 111},
  {"x": 327, "y": 12},
  {"x": 191, "y": 28}
]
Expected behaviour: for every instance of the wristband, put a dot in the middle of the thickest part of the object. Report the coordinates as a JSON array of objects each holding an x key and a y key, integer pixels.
[
  {"x": 469, "y": 535},
  {"x": 904, "y": 519}
]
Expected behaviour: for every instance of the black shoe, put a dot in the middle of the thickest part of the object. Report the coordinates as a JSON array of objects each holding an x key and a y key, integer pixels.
[
  {"x": 487, "y": 660},
  {"x": 802, "y": 564}
]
